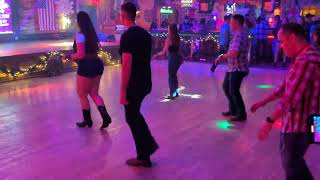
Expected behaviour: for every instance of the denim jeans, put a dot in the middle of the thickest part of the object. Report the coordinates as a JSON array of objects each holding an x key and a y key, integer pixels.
[
  {"x": 175, "y": 61},
  {"x": 293, "y": 147},
  {"x": 231, "y": 86}
]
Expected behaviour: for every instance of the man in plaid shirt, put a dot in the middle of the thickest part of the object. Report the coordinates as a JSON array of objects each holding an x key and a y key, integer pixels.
[
  {"x": 299, "y": 96},
  {"x": 237, "y": 57}
]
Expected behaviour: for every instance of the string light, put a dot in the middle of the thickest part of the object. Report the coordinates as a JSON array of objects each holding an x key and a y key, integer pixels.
[
  {"x": 191, "y": 39},
  {"x": 43, "y": 64}
]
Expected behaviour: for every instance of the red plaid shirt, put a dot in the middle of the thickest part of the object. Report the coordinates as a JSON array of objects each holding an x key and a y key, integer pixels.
[{"x": 300, "y": 91}]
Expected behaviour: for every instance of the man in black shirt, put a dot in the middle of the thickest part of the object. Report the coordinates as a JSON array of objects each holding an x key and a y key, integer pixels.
[{"x": 136, "y": 84}]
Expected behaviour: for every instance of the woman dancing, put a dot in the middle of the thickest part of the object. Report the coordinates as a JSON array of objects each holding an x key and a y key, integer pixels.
[
  {"x": 172, "y": 46},
  {"x": 90, "y": 70}
]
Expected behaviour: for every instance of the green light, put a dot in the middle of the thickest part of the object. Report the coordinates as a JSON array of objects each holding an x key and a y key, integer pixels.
[
  {"x": 265, "y": 86},
  {"x": 166, "y": 11},
  {"x": 224, "y": 125}
]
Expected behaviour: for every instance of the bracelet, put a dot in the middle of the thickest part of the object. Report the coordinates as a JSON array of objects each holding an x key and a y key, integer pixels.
[{"x": 269, "y": 120}]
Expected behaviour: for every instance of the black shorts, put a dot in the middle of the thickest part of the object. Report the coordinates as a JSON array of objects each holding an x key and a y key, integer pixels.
[{"x": 90, "y": 67}]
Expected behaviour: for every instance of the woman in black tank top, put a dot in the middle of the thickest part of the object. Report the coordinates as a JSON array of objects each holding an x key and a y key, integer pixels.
[
  {"x": 171, "y": 47},
  {"x": 90, "y": 70}
]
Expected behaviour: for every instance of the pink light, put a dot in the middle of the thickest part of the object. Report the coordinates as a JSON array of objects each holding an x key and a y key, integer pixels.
[{"x": 277, "y": 124}]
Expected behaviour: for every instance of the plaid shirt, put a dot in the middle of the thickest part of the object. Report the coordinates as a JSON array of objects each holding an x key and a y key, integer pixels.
[
  {"x": 240, "y": 43},
  {"x": 300, "y": 91}
]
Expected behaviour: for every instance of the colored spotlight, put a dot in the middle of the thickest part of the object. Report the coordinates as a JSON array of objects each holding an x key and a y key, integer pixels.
[
  {"x": 224, "y": 125},
  {"x": 265, "y": 86}
]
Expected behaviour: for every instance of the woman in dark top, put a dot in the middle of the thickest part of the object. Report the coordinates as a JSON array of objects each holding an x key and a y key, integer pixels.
[
  {"x": 90, "y": 70},
  {"x": 171, "y": 47}
]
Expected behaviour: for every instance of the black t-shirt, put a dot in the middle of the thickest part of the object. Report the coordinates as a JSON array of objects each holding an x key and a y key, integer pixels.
[{"x": 137, "y": 42}]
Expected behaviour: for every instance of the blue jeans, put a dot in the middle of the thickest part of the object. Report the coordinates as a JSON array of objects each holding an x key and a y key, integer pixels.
[
  {"x": 175, "y": 61},
  {"x": 231, "y": 86},
  {"x": 293, "y": 147}
]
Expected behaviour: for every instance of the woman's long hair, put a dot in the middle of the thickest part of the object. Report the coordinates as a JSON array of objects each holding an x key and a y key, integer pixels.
[
  {"x": 86, "y": 28},
  {"x": 173, "y": 35}
]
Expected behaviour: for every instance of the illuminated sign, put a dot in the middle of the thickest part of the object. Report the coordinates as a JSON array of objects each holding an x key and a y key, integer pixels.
[
  {"x": 206, "y": 6},
  {"x": 186, "y": 3},
  {"x": 5, "y": 17},
  {"x": 231, "y": 8},
  {"x": 165, "y": 10}
]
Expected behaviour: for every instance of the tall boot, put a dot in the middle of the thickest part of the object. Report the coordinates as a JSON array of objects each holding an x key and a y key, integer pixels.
[
  {"x": 105, "y": 116},
  {"x": 87, "y": 121}
]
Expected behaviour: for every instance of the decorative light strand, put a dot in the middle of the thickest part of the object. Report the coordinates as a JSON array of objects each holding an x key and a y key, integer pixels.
[{"x": 42, "y": 64}]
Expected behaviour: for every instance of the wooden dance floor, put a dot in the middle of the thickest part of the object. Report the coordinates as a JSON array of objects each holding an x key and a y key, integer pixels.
[{"x": 39, "y": 139}]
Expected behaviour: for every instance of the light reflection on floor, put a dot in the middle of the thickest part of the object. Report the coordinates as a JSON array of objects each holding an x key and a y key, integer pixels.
[
  {"x": 179, "y": 90},
  {"x": 265, "y": 86}
]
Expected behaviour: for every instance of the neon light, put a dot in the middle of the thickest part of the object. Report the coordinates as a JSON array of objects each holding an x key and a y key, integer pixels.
[
  {"x": 186, "y": 3},
  {"x": 265, "y": 86},
  {"x": 5, "y": 17},
  {"x": 166, "y": 11},
  {"x": 230, "y": 9}
]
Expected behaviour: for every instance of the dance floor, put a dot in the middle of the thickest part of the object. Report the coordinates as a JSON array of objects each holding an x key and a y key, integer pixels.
[
  {"x": 21, "y": 48},
  {"x": 39, "y": 139}
]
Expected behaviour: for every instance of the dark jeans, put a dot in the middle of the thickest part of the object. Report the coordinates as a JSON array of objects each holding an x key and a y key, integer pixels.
[
  {"x": 231, "y": 86},
  {"x": 145, "y": 143},
  {"x": 262, "y": 47},
  {"x": 293, "y": 147},
  {"x": 175, "y": 61}
]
